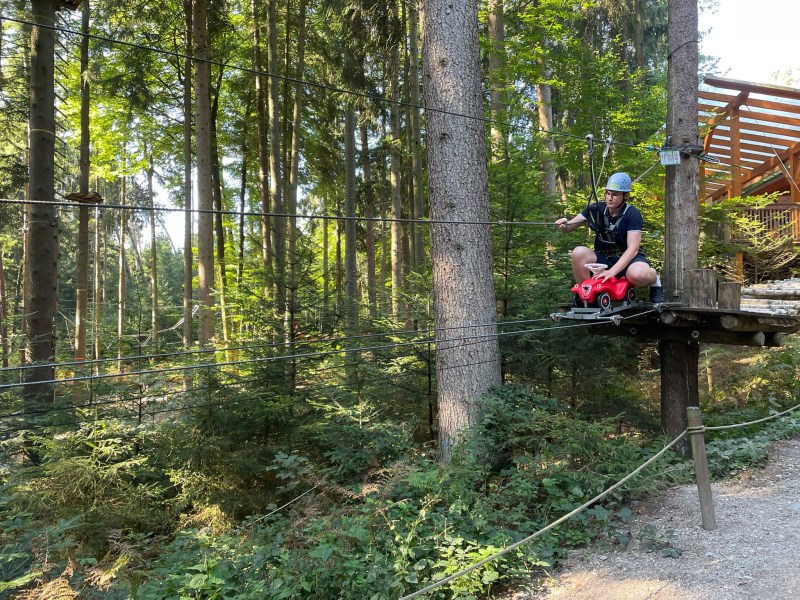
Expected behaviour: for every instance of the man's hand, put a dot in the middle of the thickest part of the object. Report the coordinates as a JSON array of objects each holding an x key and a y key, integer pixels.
[
  {"x": 603, "y": 275},
  {"x": 563, "y": 225}
]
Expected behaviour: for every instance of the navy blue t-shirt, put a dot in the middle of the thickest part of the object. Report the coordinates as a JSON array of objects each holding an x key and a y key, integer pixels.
[{"x": 611, "y": 239}]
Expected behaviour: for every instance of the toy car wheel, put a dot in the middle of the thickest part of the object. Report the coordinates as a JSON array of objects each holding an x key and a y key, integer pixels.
[
  {"x": 604, "y": 300},
  {"x": 631, "y": 295},
  {"x": 576, "y": 301}
]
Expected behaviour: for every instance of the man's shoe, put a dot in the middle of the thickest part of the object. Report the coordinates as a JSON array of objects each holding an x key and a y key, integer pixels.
[{"x": 656, "y": 294}]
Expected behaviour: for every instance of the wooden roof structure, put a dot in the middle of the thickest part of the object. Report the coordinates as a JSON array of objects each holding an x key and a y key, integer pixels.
[{"x": 753, "y": 130}]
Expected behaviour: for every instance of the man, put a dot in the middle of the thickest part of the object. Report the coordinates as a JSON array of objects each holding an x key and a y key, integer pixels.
[{"x": 618, "y": 236}]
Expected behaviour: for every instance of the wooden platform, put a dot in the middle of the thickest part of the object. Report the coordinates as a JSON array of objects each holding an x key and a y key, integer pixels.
[
  {"x": 712, "y": 314},
  {"x": 704, "y": 325}
]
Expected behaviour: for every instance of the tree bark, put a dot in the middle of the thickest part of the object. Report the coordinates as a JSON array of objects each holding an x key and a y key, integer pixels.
[
  {"x": 275, "y": 181},
  {"x": 82, "y": 246},
  {"x": 188, "y": 258},
  {"x": 205, "y": 201},
  {"x": 219, "y": 227},
  {"x": 3, "y": 313},
  {"x": 497, "y": 103},
  {"x": 463, "y": 288},
  {"x": 396, "y": 191},
  {"x": 121, "y": 282},
  {"x": 679, "y": 361},
  {"x": 294, "y": 171},
  {"x": 41, "y": 243},
  {"x": 98, "y": 288},
  {"x": 153, "y": 259},
  {"x": 263, "y": 148},
  {"x": 350, "y": 269},
  {"x": 416, "y": 139},
  {"x": 369, "y": 213}
]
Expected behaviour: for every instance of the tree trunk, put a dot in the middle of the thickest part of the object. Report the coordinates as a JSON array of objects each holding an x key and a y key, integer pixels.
[
  {"x": 350, "y": 271},
  {"x": 205, "y": 201},
  {"x": 263, "y": 149},
  {"x": 326, "y": 275},
  {"x": 3, "y": 313},
  {"x": 459, "y": 191},
  {"x": 41, "y": 244},
  {"x": 416, "y": 139},
  {"x": 188, "y": 259},
  {"x": 82, "y": 249},
  {"x": 679, "y": 361},
  {"x": 153, "y": 260},
  {"x": 242, "y": 207},
  {"x": 396, "y": 188},
  {"x": 219, "y": 228},
  {"x": 294, "y": 171},
  {"x": 369, "y": 213},
  {"x": 275, "y": 182},
  {"x": 121, "y": 283},
  {"x": 497, "y": 103},
  {"x": 98, "y": 289}
]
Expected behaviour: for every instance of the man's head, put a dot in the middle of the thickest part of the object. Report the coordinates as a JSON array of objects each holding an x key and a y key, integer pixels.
[{"x": 618, "y": 189}]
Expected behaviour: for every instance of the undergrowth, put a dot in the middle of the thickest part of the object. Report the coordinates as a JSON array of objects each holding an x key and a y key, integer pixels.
[{"x": 117, "y": 512}]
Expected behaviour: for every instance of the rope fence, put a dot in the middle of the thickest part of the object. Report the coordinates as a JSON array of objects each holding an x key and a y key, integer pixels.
[{"x": 695, "y": 431}]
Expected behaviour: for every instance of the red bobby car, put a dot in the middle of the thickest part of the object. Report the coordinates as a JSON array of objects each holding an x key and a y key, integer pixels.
[{"x": 595, "y": 293}]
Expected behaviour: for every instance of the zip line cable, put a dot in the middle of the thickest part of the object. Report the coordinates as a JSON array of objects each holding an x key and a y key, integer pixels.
[
  {"x": 304, "y": 342},
  {"x": 321, "y": 353},
  {"x": 302, "y": 82},
  {"x": 237, "y": 213},
  {"x": 137, "y": 398},
  {"x": 156, "y": 388}
]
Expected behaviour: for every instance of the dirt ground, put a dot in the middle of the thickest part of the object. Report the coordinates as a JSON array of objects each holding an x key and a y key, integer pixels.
[{"x": 752, "y": 554}]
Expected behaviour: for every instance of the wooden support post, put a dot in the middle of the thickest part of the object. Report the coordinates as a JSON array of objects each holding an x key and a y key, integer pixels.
[
  {"x": 679, "y": 360},
  {"x": 701, "y": 468}
]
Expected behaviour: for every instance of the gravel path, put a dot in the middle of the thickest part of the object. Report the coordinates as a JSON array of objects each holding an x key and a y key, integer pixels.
[{"x": 753, "y": 553}]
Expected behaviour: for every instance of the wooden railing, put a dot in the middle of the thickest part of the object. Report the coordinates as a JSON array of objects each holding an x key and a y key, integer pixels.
[{"x": 779, "y": 220}]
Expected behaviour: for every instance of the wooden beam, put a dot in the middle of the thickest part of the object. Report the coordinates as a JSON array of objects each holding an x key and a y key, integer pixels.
[
  {"x": 770, "y": 118},
  {"x": 773, "y": 105},
  {"x": 707, "y": 95},
  {"x": 688, "y": 335},
  {"x": 757, "y": 88}
]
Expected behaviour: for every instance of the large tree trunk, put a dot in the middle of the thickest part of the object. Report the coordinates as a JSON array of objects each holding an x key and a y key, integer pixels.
[
  {"x": 679, "y": 361},
  {"x": 205, "y": 200},
  {"x": 41, "y": 244},
  {"x": 82, "y": 249},
  {"x": 464, "y": 301},
  {"x": 188, "y": 259}
]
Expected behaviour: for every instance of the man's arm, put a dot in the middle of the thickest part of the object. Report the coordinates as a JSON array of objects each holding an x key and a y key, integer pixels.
[{"x": 572, "y": 224}]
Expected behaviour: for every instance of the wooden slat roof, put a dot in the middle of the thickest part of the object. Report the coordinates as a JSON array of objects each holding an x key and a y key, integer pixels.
[{"x": 754, "y": 131}]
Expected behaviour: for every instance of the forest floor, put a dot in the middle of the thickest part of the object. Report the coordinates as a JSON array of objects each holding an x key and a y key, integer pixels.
[{"x": 753, "y": 552}]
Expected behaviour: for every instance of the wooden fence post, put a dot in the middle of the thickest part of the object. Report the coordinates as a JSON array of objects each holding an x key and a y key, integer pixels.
[{"x": 701, "y": 468}]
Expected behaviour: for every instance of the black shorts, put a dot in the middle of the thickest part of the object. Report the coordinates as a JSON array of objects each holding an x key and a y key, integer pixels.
[{"x": 612, "y": 260}]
